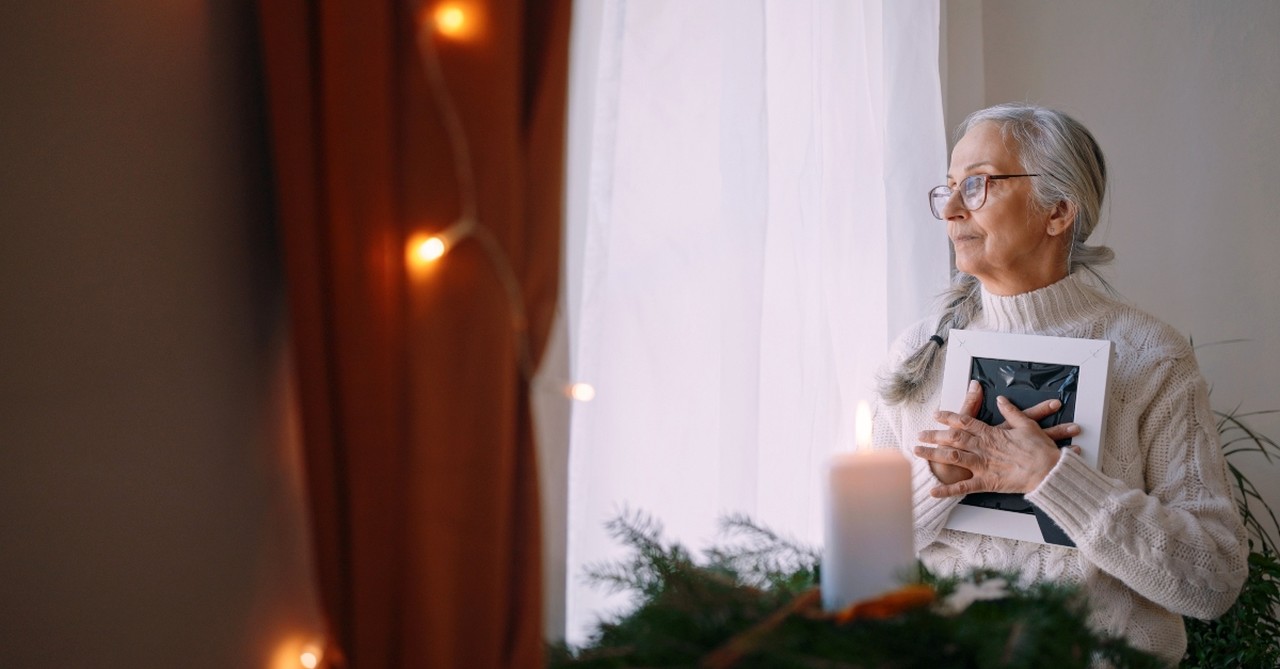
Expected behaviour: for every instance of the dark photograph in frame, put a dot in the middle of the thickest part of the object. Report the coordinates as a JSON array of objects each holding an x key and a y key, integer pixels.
[
  {"x": 1025, "y": 384},
  {"x": 1027, "y": 369}
]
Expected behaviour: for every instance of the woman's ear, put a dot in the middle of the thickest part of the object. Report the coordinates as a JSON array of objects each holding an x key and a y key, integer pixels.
[{"x": 1061, "y": 218}]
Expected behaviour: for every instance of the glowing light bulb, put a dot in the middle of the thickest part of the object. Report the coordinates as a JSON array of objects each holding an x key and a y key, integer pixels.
[
  {"x": 424, "y": 250},
  {"x": 431, "y": 249},
  {"x": 583, "y": 392},
  {"x": 310, "y": 656},
  {"x": 451, "y": 20}
]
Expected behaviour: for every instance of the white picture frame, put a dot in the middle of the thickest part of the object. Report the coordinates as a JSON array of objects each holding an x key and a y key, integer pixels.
[{"x": 1093, "y": 357}]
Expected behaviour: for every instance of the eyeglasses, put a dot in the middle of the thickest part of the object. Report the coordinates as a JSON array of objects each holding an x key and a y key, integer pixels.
[{"x": 973, "y": 192}]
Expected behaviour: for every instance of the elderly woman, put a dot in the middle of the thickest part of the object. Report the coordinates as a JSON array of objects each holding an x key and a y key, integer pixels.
[{"x": 1156, "y": 532}]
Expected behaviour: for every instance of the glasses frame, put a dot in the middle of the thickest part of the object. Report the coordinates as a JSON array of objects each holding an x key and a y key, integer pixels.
[{"x": 951, "y": 192}]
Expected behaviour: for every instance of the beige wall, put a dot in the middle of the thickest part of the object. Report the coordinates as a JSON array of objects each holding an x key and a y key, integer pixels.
[
  {"x": 1184, "y": 96},
  {"x": 149, "y": 499}
]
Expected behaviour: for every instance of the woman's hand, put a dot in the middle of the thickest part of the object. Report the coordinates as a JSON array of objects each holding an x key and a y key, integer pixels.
[
  {"x": 975, "y": 457},
  {"x": 950, "y": 473}
]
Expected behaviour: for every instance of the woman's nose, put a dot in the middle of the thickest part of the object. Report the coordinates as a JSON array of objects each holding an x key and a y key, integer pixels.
[{"x": 954, "y": 208}]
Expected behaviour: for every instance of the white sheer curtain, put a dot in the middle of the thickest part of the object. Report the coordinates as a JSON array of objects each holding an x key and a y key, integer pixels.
[{"x": 748, "y": 229}]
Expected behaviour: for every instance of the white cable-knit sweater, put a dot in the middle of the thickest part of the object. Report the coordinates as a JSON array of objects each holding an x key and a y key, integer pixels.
[{"x": 1157, "y": 533}]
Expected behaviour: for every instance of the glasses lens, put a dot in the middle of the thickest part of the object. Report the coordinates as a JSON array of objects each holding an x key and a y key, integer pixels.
[
  {"x": 974, "y": 191},
  {"x": 938, "y": 198}
]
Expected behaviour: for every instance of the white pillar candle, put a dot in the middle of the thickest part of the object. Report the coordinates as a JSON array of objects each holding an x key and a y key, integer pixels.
[{"x": 867, "y": 550}]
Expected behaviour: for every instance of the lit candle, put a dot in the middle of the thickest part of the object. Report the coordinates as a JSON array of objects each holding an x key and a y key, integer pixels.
[{"x": 867, "y": 549}]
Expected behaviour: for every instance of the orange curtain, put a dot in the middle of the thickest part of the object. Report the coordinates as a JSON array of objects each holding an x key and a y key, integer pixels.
[{"x": 418, "y": 441}]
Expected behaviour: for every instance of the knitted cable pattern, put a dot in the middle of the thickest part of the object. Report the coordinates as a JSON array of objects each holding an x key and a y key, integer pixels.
[{"x": 1156, "y": 529}]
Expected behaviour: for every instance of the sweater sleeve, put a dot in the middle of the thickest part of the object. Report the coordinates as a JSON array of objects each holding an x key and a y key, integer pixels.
[{"x": 1179, "y": 542}]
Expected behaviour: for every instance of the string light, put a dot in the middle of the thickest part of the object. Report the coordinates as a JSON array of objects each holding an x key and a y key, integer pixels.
[
  {"x": 455, "y": 20},
  {"x": 297, "y": 651},
  {"x": 450, "y": 19},
  {"x": 424, "y": 249},
  {"x": 583, "y": 392},
  {"x": 461, "y": 20}
]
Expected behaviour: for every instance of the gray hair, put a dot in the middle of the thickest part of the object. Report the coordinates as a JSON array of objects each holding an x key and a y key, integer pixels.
[{"x": 1071, "y": 167}]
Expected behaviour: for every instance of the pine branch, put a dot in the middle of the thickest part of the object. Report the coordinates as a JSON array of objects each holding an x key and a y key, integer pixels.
[{"x": 752, "y": 603}]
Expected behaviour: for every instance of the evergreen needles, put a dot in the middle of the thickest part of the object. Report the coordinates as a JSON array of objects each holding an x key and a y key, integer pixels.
[{"x": 749, "y": 603}]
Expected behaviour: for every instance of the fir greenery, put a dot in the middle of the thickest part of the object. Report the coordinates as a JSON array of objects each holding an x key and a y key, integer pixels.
[
  {"x": 686, "y": 611},
  {"x": 737, "y": 606}
]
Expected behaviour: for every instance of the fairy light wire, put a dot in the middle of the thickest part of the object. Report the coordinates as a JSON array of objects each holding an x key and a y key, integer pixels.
[
  {"x": 454, "y": 130},
  {"x": 468, "y": 224}
]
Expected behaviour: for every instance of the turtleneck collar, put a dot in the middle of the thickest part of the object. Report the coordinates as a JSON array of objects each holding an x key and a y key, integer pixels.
[{"x": 1056, "y": 309}]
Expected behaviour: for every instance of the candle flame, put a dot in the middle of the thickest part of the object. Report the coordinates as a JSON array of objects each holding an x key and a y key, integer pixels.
[{"x": 862, "y": 426}]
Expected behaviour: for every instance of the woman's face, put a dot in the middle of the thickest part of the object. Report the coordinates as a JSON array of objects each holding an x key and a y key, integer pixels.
[{"x": 1011, "y": 245}]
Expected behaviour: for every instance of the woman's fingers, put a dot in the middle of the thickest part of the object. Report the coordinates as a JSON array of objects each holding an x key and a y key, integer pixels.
[
  {"x": 956, "y": 489},
  {"x": 1012, "y": 414},
  {"x": 1043, "y": 409},
  {"x": 956, "y": 438},
  {"x": 949, "y": 473},
  {"x": 949, "y": 456},
  {"x": 972, "y": 399},
  {"x": 1013, "y": 457},
  {"x": 956, "y": 420},
  {"x": 1063, "y": 431}
]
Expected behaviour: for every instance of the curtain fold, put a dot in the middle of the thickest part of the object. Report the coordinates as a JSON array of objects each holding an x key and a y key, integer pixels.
[
  {"x": 417, "y": 436},
  {"x": 756, "y": 231}
]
